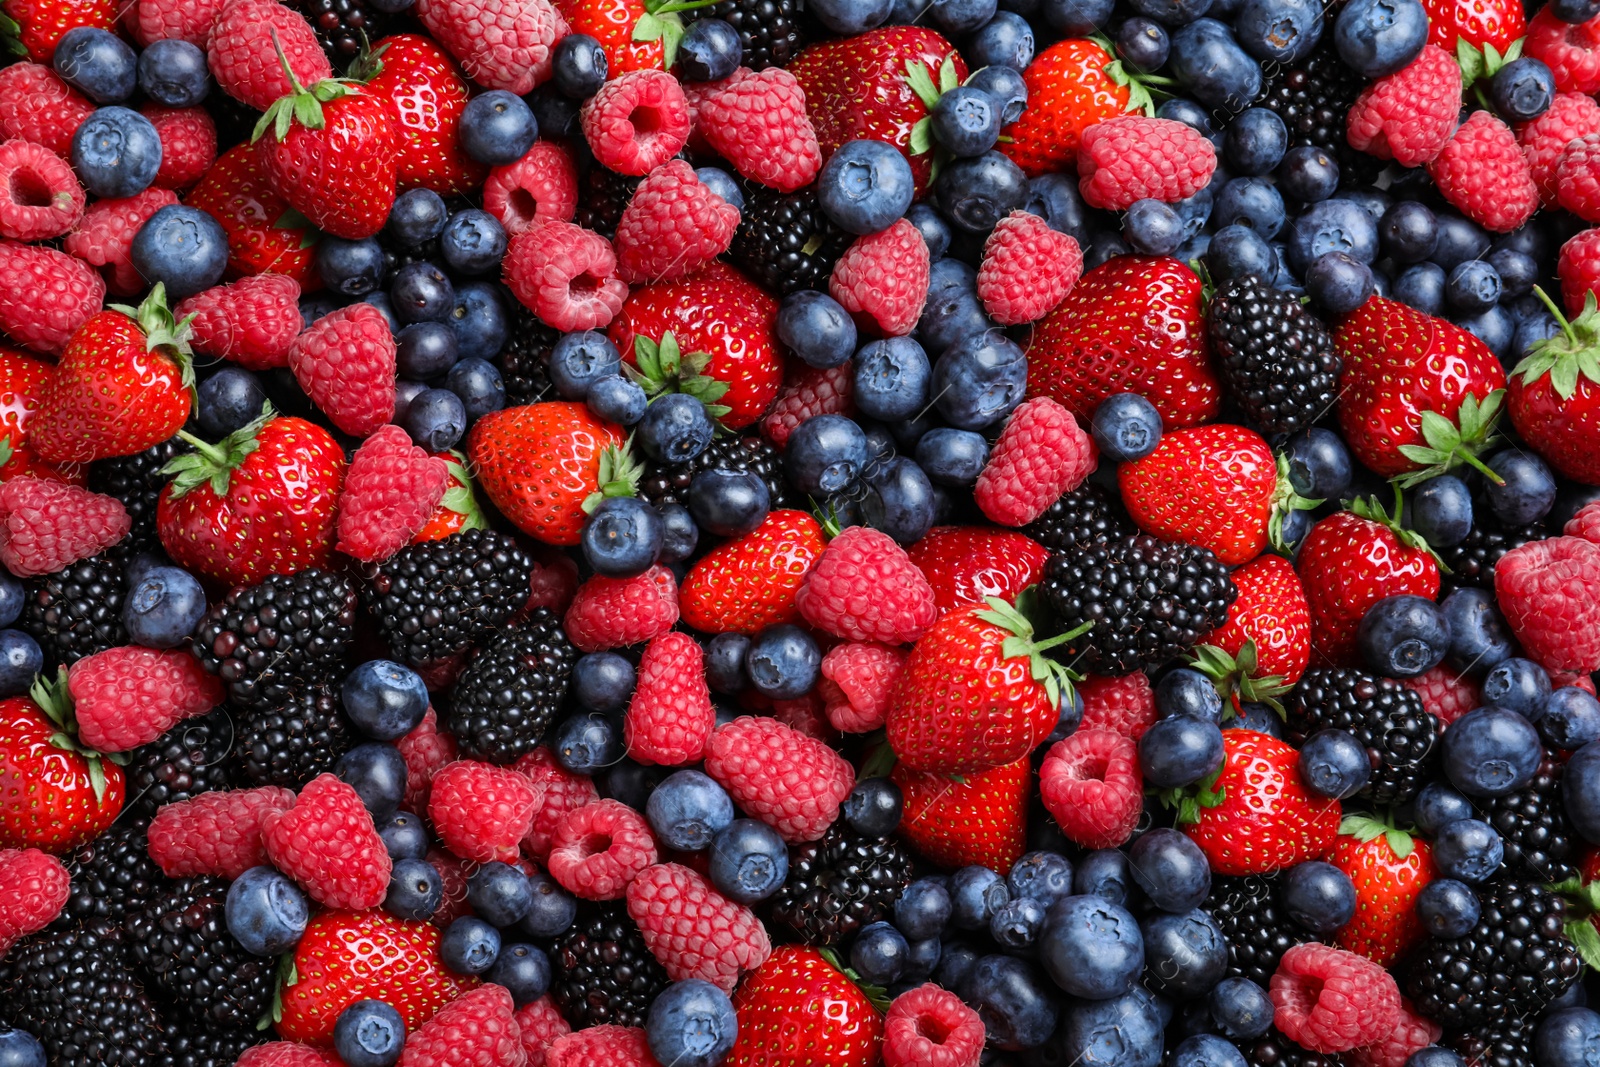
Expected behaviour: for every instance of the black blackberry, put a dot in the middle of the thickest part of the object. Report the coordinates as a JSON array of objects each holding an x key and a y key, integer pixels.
[
  {"x": 1278, "y": 361},
  {"x": 341, "y": 25},
  {"x": 1504, "y": 1044},
  {"x": 1386, "y": 717},
  {"x": 1312, "y": 98},
  {"x": 1533, "y": 826},
  {"x": 1148, "y": 600},
  {"x": 784, "y": 240},
  {"x": 1472, "y": 561},
  {"x": 669, "y": 484},
  {"x": 1272, "y": 1049},
  {"x": 137, "y": 481},
  {"x": 235, "y": 120},
  {"x": 1512, "y": 963},
  {"x": 77, "y": 611},
  {"x": 437, "y": 599},
  {"x": 73, "y": 990},
  {"x": 511, "y": 690},
  {"x": 769, "y": 30},
  {"x": 524, "y": 360},
  {"x": 603, "y": 195},
  {"x": 111, "y": 875},
  {"x": 601, "y": 972},
  {"x": 1258, "y": 930},
  {"x": 397, "y": 256},
  {"x": 294, "y": 742},
  {"x": 180, "y": 940},
  {"x": 193, "y": 1047},
  {"x": 839, "y": 884},
  {"x": 196, "y": 756},
  {"x": 1079, "y": 518},
  {"x": 266, "y": 640}
]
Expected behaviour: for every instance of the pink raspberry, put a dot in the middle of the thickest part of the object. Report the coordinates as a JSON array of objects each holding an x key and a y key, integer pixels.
[
  {"x": 425, "y": 749},
  {"x": 931, "y": 1027},
  {"x": 1578, "y": 178},
  {"x": 39, "y": 195},
  {"x": 1331, "y": 1000},
  {"x": 251, "y": 322},
  {"x": 557, "y": 791},
  {"x": 1483, "y": 174},
  {"x": 636, "y": 122},
  {"x": 391, "y": 489},
  {"x": 480, "y": 811},
  {"x": 673, "y": 226},
  {"x": 554, "y": 582},
  {"x": 329, "y": 846},
  {"x": 345, "y": 362},
  {"x": 104, "y": 238},
  {"x": 1410, "y": 114},
  {"x": 1411, "y": 1032},
  {"x": 670, "y": 717},
  {"x": 1091, "y": 784},
  {"x": 601, "y": 1046},
  {"x": 616, "y": 612},
  {"x": 129, "y": 696},
  {"x": 540, "y": 187},
  {"x": 1124, "y": 705},
  {"x": 501, "y": 44},
  {"x": 1027, "y": 268},
  {"x": 857, "y": 681},
  {"x": 1571, "y": 51},
  {"x": 882, "y": 279},
  {"x": 36, "y": 105},
  {"x": 182, "y": 20},
  {"x": 48, "y": 295},
  {"x": 1572, "y": 679},
  {"x": 1133, "y": 158},
  {"x": 1585, "y": 524},
  {"x": 596, "y": 850},
  {"x": 476, "y": 1029},
  {"x": 566, "y": 275},
  {"x": 453, "y": 874},
  {"x": 1041, "y": 453},
  {"x": 215, "y": 833},
  {"x": 865, "y": 588},
  {"x": 694, "y": 931},
  {"x": 188, "y": 143},
  {"x": 807, "y": 393},
  {"x": 1445, "y": 694},
  {"x": 805, "y": 715},
  {"x": 540, "y": 1023},
  {"x": 46, "y": 524},
  {"x": 37, "y": 886},
  {"x": 791, "y": 782},
  {"x": 245, "y": 63},
  {"x": 757, "y": 121},
  {"x": 284, "y": 1053},
  {"x": 1570, "y": 116},
  {"x": 1549, "y": 592},
  {"x": 1579, "y": 269}
]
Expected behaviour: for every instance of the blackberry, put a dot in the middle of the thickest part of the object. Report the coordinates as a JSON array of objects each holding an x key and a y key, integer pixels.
[
  {"x": 1277, "y": 360},
  {"x": 603, "y": 195},
  {"x": 601, "y": 972},
  {"x": 137, "y": 481},
  {"x": 341, "y": 26},
  {"x": 196, "y": 756},
  {"x": 266, "y": 640},
  {"x": 1257, "y": 928},
  {"x": 437, "y": 599},
  {"x": 1505, "y": 1044},
  {"x": 1533, "y": 826},
  {"x": 1472, "y": 561},
  {"x": 180, "y": 940},
  {"x": 784, "y": 240},
  {"x": 1148, "y": 600},
  {"x": 769, "y": 30},
  {"x": 235, "y": 120},
  {"x": 1312, "y": 98},
  {"x": 73, "y": 990},
  {"x": 209, "y": 1048},
  {"x": 1386, "y": 717},
  {"x": 1272, "y": 1049},
  {"x": 77, "y": 611},
  {"x": 111, "y": 875},
  {"x": 397, "y": 256},
  {"x": 293, "y": 743},
  {"x": 669, "y": 484},
  {"x": 1511, "y": 964},
  {"x": 511, "y": 690},
  {"x": 839, "y": 884},
  {"x": 524, "y": 360},
  {"x": 1079, "y": 518}
]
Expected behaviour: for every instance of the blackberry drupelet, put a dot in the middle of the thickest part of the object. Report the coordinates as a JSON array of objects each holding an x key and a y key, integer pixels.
[
  {"x": 769, "y": 30},
  {"x": 180, "y": 940},
  {"x": 664, "y": 484},
  {"x": 524, "y": 361},
  {"x": 1533, "y": 826},
  {"x": 1511, "y": 964},
  {"x": 340, "y": 26},
  {"x": 293, "y": 743},
  {"x": 235, "y": 120},
  {"x": 1312, "y": 98},
  {"x": 112, "y": 875},
  {"x": 437, "y": 599},
  {"x": 1506, "y": 1044},
  {"x": 838, "y": 885},
  {"x": 137, "y": 481},
  {"x": 196, "y": 756},
  {"x": 511, "y": 690},
  {"x": 603, "y": 195},
  {"x": 267, "y": 640},
  {"x": 191, "y": 1047},
  {"x": 1472, "y": 561},
  {"x": 1384, "y": 716},
  {"x": 77, "y": 611},
  {"x": 1257, "y": 928},
  {"x": 1148, "y": 600},
  {"x": 1079, "y": 518},
  {"x": 784, "y": 240},
  {"x": 1272, "y": 1049},
  {"x": 1277, "y": 360},
  {"x": 601, "y": 972}
]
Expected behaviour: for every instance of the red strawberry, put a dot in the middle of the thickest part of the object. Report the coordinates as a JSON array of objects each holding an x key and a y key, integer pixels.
[
  {"x": 981, "y": 820},
  {"x": 459, "y": 509},
  {"x": 798, "y": 1009},
  {"x": 1132, "y": 324},
  {"x": 1478, "y": 22},
  {"x": 1554, "y": 395},
  {"x": 969, "y": 564},
  {"x": 429, "y": 93},
  {"x": 22, "y": 380},
  {"x": 1072, "y": 85},
  {"x": 748, "y": 584},
  {"x": 539, "y": 463},
  {"x": 54, "y": 794},
  {"x": 264, "y": 232},
  {"x": 1271, "y": 617},
  {"x": 32, "y": 28},
  {"x": 1389, "y": 868},
  {"x": 615, "y": 24}
]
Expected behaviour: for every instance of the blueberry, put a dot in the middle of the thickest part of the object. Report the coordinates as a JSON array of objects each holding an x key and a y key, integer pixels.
[
  {"x": 952, "y": 457},
  {"x": 1408, "y": 232},
  {"x": 899, "y": 500},
  {"x": 1468, "y": 850},
  {"x": 473, "y": 242},
  {"x": 1529, "y": 490},
  {"x": 353, "y": 268},
  {"x": 1152, "y": 228},
  {"x": 1472, "y": 287},
  {"x": 729, "y": 503},
  {"x": 1518, "y": 685},
  {"x": 1574, "y": 11},
  {"x": 1104, "y": 873},
  {"x": 1253, "y": 203},
  {"x": 369, "y": 1033},
  {"x": 552, "y": 911},
  {"x": 478, "y": 384},
  {"x": 865, "y": 186},
  {"x": 1040, "y": 876},
  {"x": 415, "y": 890},
  {"x": 421, "y": 292},
  {"x": 1518, "y": 271},
  {"x": 1256, "y": 141},
  {"x": 385, "y": 306},
  {"x": 524, "y": 970},
  {"x": 1308, "y": 174},
  {"x": 923, "y": 910},
  {"x": 679, "y": 534},
  {"x": 1278, "y": 31},
  {"x": 1236, "y": 251},
  {"x": 1240, "y": 1008},
  {"x": 417, "y": 217},
  {"x": 1015, "y": 1003},
  {"x": 616, "y": 399},
  {"x": 1185, "y": 691},
  {"x": 687, "y": 810},
  {"x": 1479, "y": 637},
  {"x": 587, "y": 743},
  {"x": 825, "y": 454},
  {"x": 377, "y": 772},
  {"x": 952, "y": 310},
  {"x": 1448, "y": 908},
  {"x": 1571, "y": 718},
  {"x": 1522, "y": 90},
  {"x": 1379, "y": 37},
  {"x": 404, "y": 393},
  {"x": 1006, "y": 40},
  {"x": 749, "y": 861},
  {"x": 1181, "y": 109},
  {"x": 979, "y": 380},
  {"x": 1568, "y": 1037},
  {"x": 676, "y": 429},
  {"x": 404, "y": 836},
  {"x": 709, "y": 51},
  {"x": 499, "y": 893},
  {"x": 850, "y": 17},
  {"x": 1185, "y": 955},
  {"x": 1318, "y": 896},
  {"x": 622, "y": 537},
  {"x": 975, "y": 194},
  {"x": 425, "y": 350},
  {"x": 12, "y": 598},
  {"x": 18, "y": 1048},
  {"x": 1170, "y": 869},
  {"x": 1434, "y": 1056},
  {"x": 1437, "y": 804},
  {"x": 469, "y": 945},
  {"x": 384, "y": 700},
  {"x": 1334, "y": 764},
  {"x": 879, "y": 953},
  {"x": 1440, "y": 509},
  {"x": 1490, "y": 752},
  {"x": 1331, "y": 226},
  {"x": 957, "y": 961},
  {"x": 1207, "y": 1050},
  {"x": 1092, "y": 947},
  {"x": 720, "y": 182},
  {"x": 1077, "y": 18},
  {"x": 1055, "y": 199},
  {"x": 1123, "y": 1032},
  {"x": 1403, "y": 636},
  {"x": 97, "y": 63},
  {"x": 497, "y": 128},
  {"x": 578, "y": 67},
  {"x": 783, "y": 662},
  {"x": 602, "y": 681},
  {"x": 873, "y": 807},
  {"x": 691, "y": 1024},
  {"x": 1339, "y": 283},
  {"x": 1459, "y": 240},
  {"x": 180, "y": 247},
  {"x": 1421, "y": 287},
  {"x": 174, "y": 73},
  {"x": 1207, "y": 60},
  {"x": 976, "y": 893},
  {"x": 1494, "y": 327},
  {"x": 1016, "y": 926},
  {"x": 21, "y": 661},
  {"x": 725, "y": 662},
  {"x": 966, "y": 121},
  {"x": 891, "y": 379},
  {"x": 1143, "y": 44},
  {"x": 816, "y": 329},
  {"x": 266, "y": 913},
  {"x": 935, "y": 234},
  {"x": 161, "y": 610},
  {"x": 1179, "y": 750},
  {"x": 578, "y": 360}
]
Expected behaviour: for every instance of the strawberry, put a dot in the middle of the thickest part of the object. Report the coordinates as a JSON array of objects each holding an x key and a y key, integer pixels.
[
  {"x": 969, "y": 564},
  {"x": 880, "y": 85},
  {"x": 539, "y": 463},
  {"x": 1254, "y": 815},
  {"x": 799, "y": 1009},
  {"x": 748, "y": 584},
  {"x": 124, "y": 383},
  {"x": 1270, "y": 619},
  {"x": 1072, "y": 85},
  {"x": 1403, "y": 401},
  {"x": 22, "y": 380},
  {"x": 636, "y": 34},
  {"x": 1132, "y": 324},
  {"x": 264, "y": 233},
  {"x": 1554, "y": 395},
  {"x": 1389, "y": 868},
  {"x": 1495, "y": 23},
  {"x": 261, "y": 501},
  {"x": 31, "y": 28},
  {"x": 981, "y": 820},
  {"x": 54, "y": 794},
  {"x": 429, "y": 93},
  {"x": 459, "y": 509}
]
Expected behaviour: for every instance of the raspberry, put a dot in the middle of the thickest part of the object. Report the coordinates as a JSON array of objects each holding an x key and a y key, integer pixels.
[
  {"x": 283, "y": 1053},
  {"x": 596, "y": 850},
  {"x": 636, "y": 122},
  {"x": 540, "y": 187},
  {"x": 601, "y": 1046},
  {"x": 1483, "y": 174},
  {"x": 757, "y": 121},
  {"x": 251, "y": 322},
  {"x": 791, "y": 782},
  {"x": 1041, "y": 454},
  {"x": 556, "y": 791},
  {"x": 857, "y": 681},
  {"x": 183, "y": 20},
  {"x": 931, "y": 1027},
  {"x": 1330, "y": 1000},
  {"x": 807, "y": 393},
  {"x": 1571, "y": 51},
  {"x": 215, "y": 833},
  {"x": 39, "y": 195},
  {"x": 692, "y": 930},
  {"x": 474, "y": 1030},
  {"x": 1124, "y": 704},
  {"x": 1569, "y": 117},
  {"x": 1409, "y": 115},
  {"x": 1579, "y": 269},
  {"x": 805, "y": 715},
  {"x": 554, "y": 582},
  {"x": 566, "y": 275},
  {"x": 188, "y": 143},
  {"x": 1091, "y": 783},
  {"x": 539, "y": 1023},
  {"x": 481, "y": 812},
  {"x": 865, "y": 588},
  {"x": 328, "y": 845},
  {"x": 1565, "y": 679},
  {"x": 36, "y": 105},
  {"x": 104, "y": 238},
  {"x": 882, "y": 279},
  {"x": 673, "y": 226},
  {"x": 501, "y": 44},
  {"x": 46, "y": 524},
  {"x": 1578, "y": 178},
  {"x": 129, "y": 696},
  {"x": 1549, "y": 592},
  {"x": 1027, "y": 268},
  {"x": 1585, "y": 524},
  {"x": 390, "y": 491},
  {"x": 1132, "y": 158},
  {"x": 1445, "y": 694},
  {"x": 670, "y": 717},
  {"x": 614, "y": 612},
  {"x": 425, "y": 749},
  {"x": 1411, "y": 1032},
  {"x": 453, "y": 874},
  {"x": 345, "y": 363},
  {"x": 47, "y": 295},
  {"x": 37, "y": 886},
  {"x": 244, "y": 61}
]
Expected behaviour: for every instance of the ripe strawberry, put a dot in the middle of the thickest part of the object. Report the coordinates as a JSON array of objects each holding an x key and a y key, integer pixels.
[
  {"x": 1399, "y": 364},
  {"x": 981, "y": 820},
  {"x": 538, "y": 463},
  {"x": 1132, "y": 324},
  {"x": 1389, "y": 868},
  {"x": 797, "y": 1009},
  {"x": 31, "y": 28},
  {"x": 969, "y": 564},
  {"x": 1554, "y": 395},
  {"x": 22, "y": 380},
  {"x": 748, "y": 584},
  {"x": 264, "y": 232},
  {"x": 429, "y": 93},
  {"x": 615, "y": 24},
  {"x": 1271, "y": 616},
  {"x": 1254, "y": 816},
  {"x": 1072, "y": 85},
  {"x": 54, "y": 794},
  {"x": 1477, "y": 22}
]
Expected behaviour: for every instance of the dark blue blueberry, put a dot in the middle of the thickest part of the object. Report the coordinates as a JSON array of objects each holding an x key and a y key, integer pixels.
[
  {"x": 1434, "y": 1056},
  {"x": 960, "y": 17},
  {"x": 687, "y": 810},
  {"x": 1041, "y": 876},
  {"x": 1091, "y": 947},
  {"x": 1308, "y": 174},
  {"x": 1185, "y": 955},
  {"x": 957, "y": 960},
  {"x": 1518, "y": 271},
  {"x": 1580, "y": 786},
  {"x": 1181, "y": 109},
  {"x": 1517, "y": 684},
  {"x": 879, "y": 954},
  {"x": 479, "y": 385},
  {"x": 729, "y": 503},
  {"x": 1185, "y": 691},
  {"x": 1339, "y": 283},
  {"x": 18, "y": 1048},
  {"x": 1017, "y": 925},
  {"x": 1571, "y": 718},
  {"x": 97, "y": 63},
  {"x": 181, "y": 247},
  {"x": 975, "y": 194},
  {"x": 383, "y": 699},
  {"x": 1522, "y": 90},
  {"x": 976, "y": 893},
  {"x": 377, "y": 772},
  {"x": 1490, "y": 752},
  {"x": 354, "y": 268},
  {"x": 979, "y": 380},
  {"x": 369, "y": 1033},
  {"x": 1206, "y": 1050},
  {"x": 587, "y": 743},
  {"x": 952, "y": 457},
  {"x": 865, "y": 186},
  {"x": 749, "y": 861},
  {"x": 415, "y": 890},
  {"x": 557, "y": 115},
  {"x": 1422, "y": 287},
  {"x": 952, "y": 310},
  {"x": 622, "y": 537},
  {"x": 1479, "y": 637},
  {"x": 266, "y": 912},
  {"x": 21, "y": 660},
  {"x": 1448, "y": 908},
  {"x": 1077, "y": 18},
  {"x": 1569, "y": 1037},
  {"x": 676, "y": 428},
  {"x": 1331, "y": 226},
  {"x": 473, "y": 242},
  {"x": 421, "y": 292},
  {"x": 469, "y": 945},
  {"x": 691, "y": 1024},
  {"x": 524, "y": 970},
  {"x": 1004, "y": 41},
  {"x": 1459, "y": 240},
  {"x": 616, "y": 399},
  {"x": 161, "y": 610},
  {"x": 966, "y": 121},
  {"x": 1468, "y": 850},
  {"x": 1236, "y": 251},
  {"x": 1207, "y": 60},
  {"x": 923, "y": 910},
  {"x": 1408, "y": 232},
  {"x": 1015, "y": 1002},
  {"x": 1193, "y": 213},
  {"x": 1529, "y": 489},
  {"x": 1378, "y": 37},
  {"x": 873, "y": 807},
  {"x": 499, "y": 893},
  {"x": 1143, "y": 44},
  {"x": 1278, "y": 31},
  {"x": 1256, "y": 716},
  {"x": 1152, "y": 228},
  {"x": 935, "y": 234},
  {"x": 417, "y": 217},
  {"x": 1123, "y": 1032},
  {"x": 404, "y": 835},
  {"x": 725, "y": 662},
  {"x": 1437, "y": 804},
  {"x": 1375, "y": 202},
  {"x": 1172, "y": 12},
  {"x": 425, "y": 350},
  {"x": 1495, "y": 328},
  {"x": 679, "y": 534},
  {"x": 850, "y": 17},
  {"x": 720, "y": 182},
  {"x": 710, "y": 51},
  {"x": 1055, "y": 198},
  {"x": 825, "y": 454},
  {"x": 1170, "y": 869},
  {"x": 602, "y": 681},
  {"x": 1256, "y": 141},
  {"x": 816, "y": 329},
  {"x": 1574, "y": 11},
  {"x": 312, "y": 307},
  {"x": 1440, "y": 510},
  {"x": 1334, "y": 764},
  {"x": 1403, "y": 636},
  {"x": 578, "y": 67},
  {"x": 783, "y": 662},
  {"x": 891, "y": 379},
  {"x": 1103, "y": 873},
  {"x": 899, "y": 500},
  {"x": 1472, "y": 287},
  {"x": 1318, "y": 896},
  {"x": 1179, "y": 750},
  {"x": 552, "y": 911},
  {"x": 1240, "y": 1008},
  {"x": 497, "y": 128},
  {"x": 404, "y": 393},
  {"x": 12, "y": 598},
  {"x": 174, "y": 73}
]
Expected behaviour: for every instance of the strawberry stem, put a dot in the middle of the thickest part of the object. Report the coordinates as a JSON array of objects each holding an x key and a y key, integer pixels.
[{"x": 1561, "y": 320}]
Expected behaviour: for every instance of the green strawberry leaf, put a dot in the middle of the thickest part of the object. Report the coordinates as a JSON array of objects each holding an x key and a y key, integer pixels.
[
  {"x": 1285, "y": 501},
  {"x": 880, "y": 758},
  {"x": 922, "y": 136},
  {"x": 5, "y": 450},
  {"x": 948, "y": 78},
  {"x": 920, "y": 81},
  {"x": 215, "y": 464},
  {"x": 1571, "y": 355},
  {"x": 1586, "y": 939},
  {"x": 1451, "y": 444},
  {"x": 619, "y": 475},
  {"x": 1370, "y": 509},
  {"x": 1055, "y": 677},
  {"x": 1471, "y": 62}
]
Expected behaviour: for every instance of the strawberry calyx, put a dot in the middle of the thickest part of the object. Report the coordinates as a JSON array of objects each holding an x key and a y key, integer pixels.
[
  {"x": 1480, "y": 65},
  {"x": 459, "y": 497},
  {"x": 368, "y": 63},
  {"x": 876, "y": 994},
  {"x": 660, "y": 22},
  {"x": 920, "y": 79},
  {"x": 663, "y": 368},
  {"x": 162, "y": 332},
  {"x": 1142, "y": 88},
  {"x": 1236, "y": 679},
  {"x": 288, "y": 975},
  {"x": 299, "y": 104},
  {"x": 1583, "y": 908},
  {"x": 1372, "y": 510},
  {"x": 619, "y": 475},
  {"x": 1190, "y": 801},
  {"x": 11, "y": 36},
  {"x": 1368, "y": 826},
  {"x": 1573, "y": 353},
  {"x": 1057, "y": 678},
  {"x": 214, "y": 464},
  {"x": 1450, "y": 444},
  {"x": 6, "y": 451},
  {"x": 55, "y": 702},
  {"x": 1284, "y": 502},
  {"x": 880, "y": 757}
]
